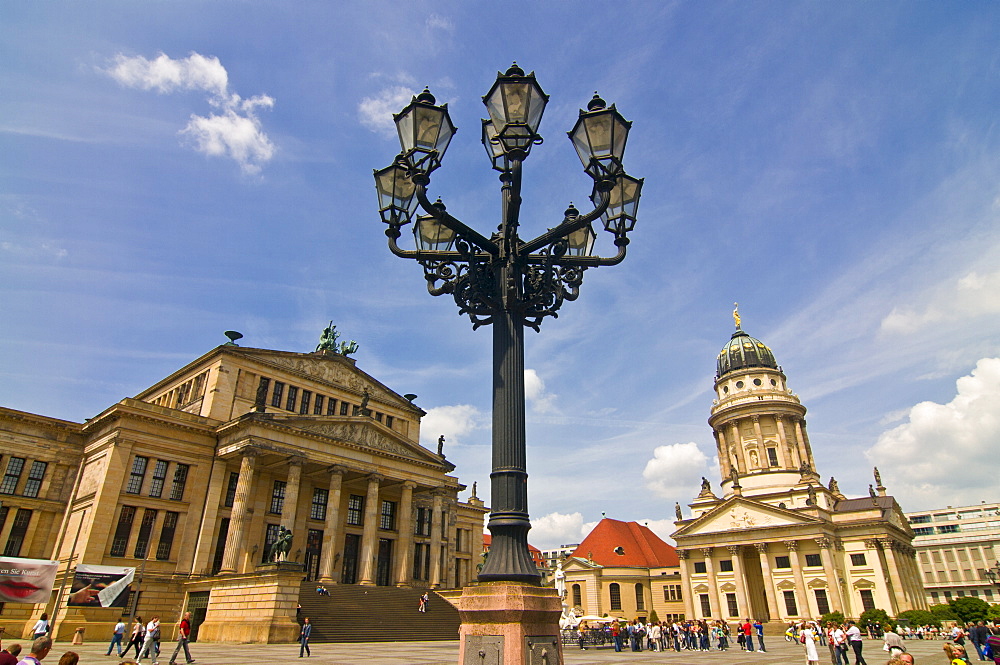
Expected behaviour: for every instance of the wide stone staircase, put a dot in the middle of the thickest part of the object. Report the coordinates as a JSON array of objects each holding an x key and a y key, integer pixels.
[{"x": 353, "y": 613}]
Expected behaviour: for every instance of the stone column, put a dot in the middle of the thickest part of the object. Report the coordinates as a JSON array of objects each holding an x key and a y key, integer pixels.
[
  {"x": 802, "y": 595},
  {"x": 331, "y": 530},
  {"x": 805, "y": 450},
  {"x": 404, "y": 542},
  {"x": 765, "y": 463},
  {"x": 765, "y": 566},
  {"x": 687, "y": 593},
  {"x": 240, "y": 516},
  {"x": 369, "y": 535},
  {"x": 209, "y": 530},
  {"x": 713, "y": 585},
  {"x": 741, "y": 462},
  {"x": 725, "y": 463},
  {"x": 292, "y": 484},
  {"x": 832, "y": 576},
  {"x": 437, "y": 524},
  {"x": 889, "y": 574},
  {"x": 742, "y": 597},
  {"x": 795, "y": 460}
]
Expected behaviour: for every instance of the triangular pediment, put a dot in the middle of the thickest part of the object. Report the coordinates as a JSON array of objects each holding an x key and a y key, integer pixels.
[
  {"x": 740, "y": 514},
  {"x": 360, "y": 431},
  {"x": 575, "y": 563}
]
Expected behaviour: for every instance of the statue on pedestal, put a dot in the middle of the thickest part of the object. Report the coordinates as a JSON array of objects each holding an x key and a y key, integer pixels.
[{"x": 281, "y": 546}]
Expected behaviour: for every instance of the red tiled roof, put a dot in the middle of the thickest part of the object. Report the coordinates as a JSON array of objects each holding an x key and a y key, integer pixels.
[
  {"x": 640, "y": 547},
  {"x": 536, "y": 554}
]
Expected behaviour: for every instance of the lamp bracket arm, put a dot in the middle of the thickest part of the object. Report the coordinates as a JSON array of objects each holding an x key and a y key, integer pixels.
[
  {"x": 582, "y": 261},
  {"x": 424, "y": 255},
  {"x": 566, "y": 228},
  {"x": 455, "y": 225}
]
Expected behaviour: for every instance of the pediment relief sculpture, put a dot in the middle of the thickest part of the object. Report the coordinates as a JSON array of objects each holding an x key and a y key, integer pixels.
[
  {"x": 863, "y": 584},
  {"x": 360, "y": 434}
]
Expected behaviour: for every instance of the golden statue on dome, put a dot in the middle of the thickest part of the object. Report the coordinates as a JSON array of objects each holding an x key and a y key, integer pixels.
[{"x": 736, "y": 314}]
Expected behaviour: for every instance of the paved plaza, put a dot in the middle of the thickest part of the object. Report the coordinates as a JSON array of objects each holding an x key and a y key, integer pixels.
[{"x": 446, "y": 653}]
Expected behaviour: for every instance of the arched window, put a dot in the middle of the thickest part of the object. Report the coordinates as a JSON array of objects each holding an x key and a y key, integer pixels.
[
  {"x": 616, "y": 596},
  {"x": 577, "y": 596},
  {"x": 640, "y": 598}
]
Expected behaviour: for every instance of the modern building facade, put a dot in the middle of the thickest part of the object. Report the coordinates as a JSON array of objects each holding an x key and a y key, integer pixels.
[
  {"x": 955, "y": 548},
  {"x": 776, "y": 543},
  {"x": 193, "y": 478}
]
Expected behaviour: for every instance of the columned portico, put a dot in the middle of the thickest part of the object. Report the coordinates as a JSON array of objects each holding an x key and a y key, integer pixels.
[
  {"x": 742, "y": 597},
  {"x": 369, "y": 535},
  {"x": 231, "y": 561},
  {"x": 405, "y": 542},
  {"x": 682, "y": 555},
  {"x": 292, "y": 484},
  {"x": 832, "y": 577},
  {"x": 437, "y": 524},
  {"x": 765, "y": 568},
  {"x": 331, "y": 532},
  {"x": 801, "y": 591}
]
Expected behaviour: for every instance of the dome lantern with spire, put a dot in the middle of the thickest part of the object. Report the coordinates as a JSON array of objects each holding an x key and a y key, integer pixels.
[{"x": 743, "y": 351}]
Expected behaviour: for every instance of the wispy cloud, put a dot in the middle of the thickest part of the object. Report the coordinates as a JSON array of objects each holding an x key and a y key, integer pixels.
[
  {"x": 235, "y": 131},
  {"x": 375, "y": 112},
  {"x": 673, "y": 470},
  {"x": 960, "y": 301}
]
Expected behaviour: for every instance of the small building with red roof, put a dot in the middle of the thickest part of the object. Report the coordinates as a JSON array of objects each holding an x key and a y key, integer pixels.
[{"x": 623, "y": 569}]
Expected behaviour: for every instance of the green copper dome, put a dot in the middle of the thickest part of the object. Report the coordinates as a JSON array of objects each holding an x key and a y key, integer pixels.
[{"x": 744, "y": 351}]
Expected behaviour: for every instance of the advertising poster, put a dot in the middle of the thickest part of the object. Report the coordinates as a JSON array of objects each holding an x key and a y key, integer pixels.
[
  {"x": 26, "y": 580},
  {"x": 100, "y": 586}
]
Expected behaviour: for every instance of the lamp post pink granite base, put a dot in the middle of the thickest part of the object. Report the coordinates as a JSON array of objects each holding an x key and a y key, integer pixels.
[{"x": 505, "y": 623}]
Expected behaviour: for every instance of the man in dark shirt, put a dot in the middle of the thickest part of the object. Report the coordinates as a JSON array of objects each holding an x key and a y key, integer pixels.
[
  {"x": 9, "y": 655},
  {"x": 183, "y": 633}
]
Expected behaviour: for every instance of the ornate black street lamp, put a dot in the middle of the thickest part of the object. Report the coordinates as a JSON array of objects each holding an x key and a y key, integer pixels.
[
  {"x": 503, "y": 280},
  {"x": 993, "y": 574}
]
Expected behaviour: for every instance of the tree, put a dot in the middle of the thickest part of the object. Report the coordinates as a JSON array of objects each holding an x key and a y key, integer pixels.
[
  {"x": 652, "y": 616},
  {"x": 919, "y": 618},
  {"x": 969, "y": 608},
  {"x": 994, "y": 613},
  {"x": 944, "y": 612},
  {"x": 878, "y": 616},
  {"x": 835, "y": 617}
]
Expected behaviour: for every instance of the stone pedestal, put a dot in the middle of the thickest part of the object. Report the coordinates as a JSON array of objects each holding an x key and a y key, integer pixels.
[
  {"x": 258, "y": 607},
  {"x": 510, "y": 624}
]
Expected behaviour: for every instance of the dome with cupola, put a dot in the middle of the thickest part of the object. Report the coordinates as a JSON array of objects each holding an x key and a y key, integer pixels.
[{"x": 744, "y": 351}]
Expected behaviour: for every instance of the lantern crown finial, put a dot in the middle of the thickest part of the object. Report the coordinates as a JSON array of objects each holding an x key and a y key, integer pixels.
[
  {"x": 426, "y": 96},
  {"x": 514, "y": 70},
  {"x": 596, "y": 104}
]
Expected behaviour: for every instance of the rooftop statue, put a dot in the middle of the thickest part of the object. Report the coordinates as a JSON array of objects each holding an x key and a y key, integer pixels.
[
  {"x": 328, "y": 342},
  {"x": 736, "y": 314}
]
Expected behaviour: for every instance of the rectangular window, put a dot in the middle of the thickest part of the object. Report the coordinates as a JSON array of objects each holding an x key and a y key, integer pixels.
[
  {"x": 672, "y": 592},
  {"x": 934, "y": 597},
  {"x": 318, "y": 509},
  {"x": 277, "y": 497},
  {"x": 948, "y": 528},
  {"x": 331, "y": 407},
  {"x": 782, "y": 562},
  {"x": 868, "y": 600},
  {"x": 387, "y": 521},
  {"x": 137, "y": 475},
  {"x": 18, "y": 530},
  {"x": 123, "y": 531},
  {"x": 270, "y": 538},
  {"x": 923, "y": 531},
  {"x": 293, "y": 397},
  {"x": 3, "y": 516},
  {"x": 791, "y": 609},
  {"x": 616, "y": 596},
  {"x": 220, "y": 545},
  {"x": 180, "y": 480},
  {"x": 423, "y": 523},
  {"x": 706, "y": 605},
  {"x": 344, "y": 406},
  {"x": 822, "y": 602},
  {"x": 858, "y": 559},
  {"x": 167, "y": 536},
  {"x": 318, "y": 405},
  {"x": 700, "y": 567},
  {"x": 378, "y": 416},
  {"x": 388, "y": 421},
  {"x": 355, "y": 509},
  {"x": 421, "y": 561},
  {"x": 306, "y": 402},
  {"x": 279, "y": 391},
  {"x": 159, "y": 477},
  {"x": 814, "y": 560},
  {"x": 35, "y": 476},
  {"x": 920, "y": 519},
  {"x": 640, "y": 598},
  {"x": 772, "y": 457},
  {"x": 234, "y": 480},
  {"x": 145, "y": 529},
  {"x": 734, "y": 610},
  {"x": 260, "y": 399},
  {"x": 577, "y": 595},
  {"x": 726, "y": 566}
]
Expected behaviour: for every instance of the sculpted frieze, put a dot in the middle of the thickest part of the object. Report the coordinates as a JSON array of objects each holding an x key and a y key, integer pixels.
[
  {"x": 332, "y": 372},
  {"x": 361, "y": 435}
]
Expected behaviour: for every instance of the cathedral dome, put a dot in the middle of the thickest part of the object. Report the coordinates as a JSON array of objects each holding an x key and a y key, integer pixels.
[{"x": 744, "y": 351}]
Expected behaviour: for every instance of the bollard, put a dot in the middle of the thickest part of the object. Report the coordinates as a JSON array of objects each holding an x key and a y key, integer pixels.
[{"x": 78, "y": 636}]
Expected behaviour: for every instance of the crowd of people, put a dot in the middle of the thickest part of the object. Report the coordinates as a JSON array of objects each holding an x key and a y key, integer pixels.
[{"x": 703, "y": 635}]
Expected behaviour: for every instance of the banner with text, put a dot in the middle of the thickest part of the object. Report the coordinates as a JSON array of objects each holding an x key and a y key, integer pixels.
[{"x": 26, "y": 580}]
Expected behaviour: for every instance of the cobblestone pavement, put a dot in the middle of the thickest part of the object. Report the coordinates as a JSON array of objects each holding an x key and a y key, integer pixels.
[{"x": 446, "y": 653}]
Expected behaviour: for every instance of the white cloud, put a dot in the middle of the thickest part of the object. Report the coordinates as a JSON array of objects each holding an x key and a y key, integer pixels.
[
  {"x": 957, "y": 302},
  {"x": 933, "y": 459},
  {"x": 436, "y": 21},
  {"x": 376, "y": 112},
  {"x": 675, "y": 470},
  {"x": 557, "y": 529},
  {"x": 534, "y": 392},
  {"x": 454, "y": 422},
  {"x": 235, "y": 132}
]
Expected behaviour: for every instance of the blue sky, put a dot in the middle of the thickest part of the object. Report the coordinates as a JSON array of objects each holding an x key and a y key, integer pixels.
[{"x": 172, "y": 170}]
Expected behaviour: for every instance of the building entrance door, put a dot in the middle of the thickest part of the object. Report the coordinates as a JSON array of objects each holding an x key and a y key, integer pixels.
[
  {"x": 383, "y": 573},
  {"x": 198, "y": 607},
  {"x": 352, "y": 543},
  {"x": 314, "y": 549},
  {"x": 754, "y": 576}
]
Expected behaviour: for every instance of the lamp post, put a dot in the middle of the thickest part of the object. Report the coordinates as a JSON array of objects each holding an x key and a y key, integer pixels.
[
  {"x": 503, "y": 280},
  {"x": 993, "y": 574}
]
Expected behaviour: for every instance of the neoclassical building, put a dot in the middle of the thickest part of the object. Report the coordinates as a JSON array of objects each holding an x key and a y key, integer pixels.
[
  {"x": 776, "y": 543},
  {"x": 191, "y": 480}
]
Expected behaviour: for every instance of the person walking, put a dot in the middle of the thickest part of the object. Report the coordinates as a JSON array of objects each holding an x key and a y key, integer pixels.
[
  {"x": 422, "y": 605},
  {"x": 116, "y": 638},
  {"x": 151, "y": 646},
  {"x": 41, "y": 628},
  {"x": 808, "y": 639},
  {"x": 854, "y": 639},
  {"x": 137, "y": 637},
  {"x": 747, "y": 629},
  {"x": 304, "y": 634},
  {"x": 183, "y": 635},
  {"x": 758, "y": 628}
]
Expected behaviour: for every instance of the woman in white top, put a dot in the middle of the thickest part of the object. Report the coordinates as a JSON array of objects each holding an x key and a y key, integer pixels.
[
  {"x": 152, "y": 644},
  {"x": 808, "y": 638},
  {"x": 41, "y": 628}
]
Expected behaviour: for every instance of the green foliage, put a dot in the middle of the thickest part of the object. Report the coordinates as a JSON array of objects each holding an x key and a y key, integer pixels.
[
  {"x": 652, "y": 616},
  {"x": 878, "y": 616},
  {"x": 994, "y": 613},
  {"x": 944, "y": 612},
  {"x": 969, "y": 608},
  {"x": 835, "y": 617},
  {"x": 919, "y": 618}
]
